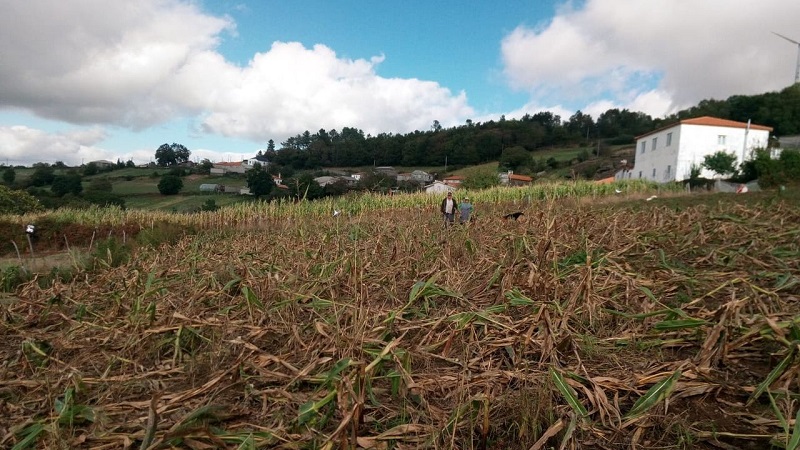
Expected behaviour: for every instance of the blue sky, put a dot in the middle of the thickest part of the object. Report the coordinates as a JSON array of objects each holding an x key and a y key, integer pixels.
[{"x": 108, "y": 79}]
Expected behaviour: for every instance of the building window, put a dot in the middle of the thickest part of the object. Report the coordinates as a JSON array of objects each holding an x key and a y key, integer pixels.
[
  {"x": 654, "y": 172},
  {"x": 721, "y": 139},
  {"x": 655, "y": 139},
  {"x": 669, "y": 171},
  {"x": 669, "y": 139},
  {"x": 640, "y": 174},
  {"x": 642, "y": 146}
]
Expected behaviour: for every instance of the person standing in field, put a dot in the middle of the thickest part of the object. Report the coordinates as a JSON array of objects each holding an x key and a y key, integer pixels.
[
  {"x": 448, "y": 209},
  {"x": 465, "y": 209}
]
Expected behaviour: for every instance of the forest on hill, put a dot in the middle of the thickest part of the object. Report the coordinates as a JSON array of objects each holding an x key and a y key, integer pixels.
[{"x": 480, "y": 142}]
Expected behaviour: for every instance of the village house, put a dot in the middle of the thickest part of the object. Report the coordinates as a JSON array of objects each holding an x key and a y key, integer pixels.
[
  {"x": 222, "y": 168},
  {"x": 258, "y": 159},
  {"x": 519, "y": 180},
  {"x": 453, "y": 180},
  {"x": 421, "y": 176},
  {"x": 668, "y": 154},
  {"x": 438, "y": 187}
]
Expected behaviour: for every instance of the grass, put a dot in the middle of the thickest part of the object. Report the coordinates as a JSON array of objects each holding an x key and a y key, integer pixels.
[
  {"x": 384, "y": 329},
  {"x": 180, "y": 203}
]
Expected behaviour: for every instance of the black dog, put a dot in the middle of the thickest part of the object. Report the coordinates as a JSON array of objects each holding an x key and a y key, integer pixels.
[{"x": 514, "y": 215}]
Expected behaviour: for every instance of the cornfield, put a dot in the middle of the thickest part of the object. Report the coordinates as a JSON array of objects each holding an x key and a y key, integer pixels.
[{"x": 584, "y": 324}]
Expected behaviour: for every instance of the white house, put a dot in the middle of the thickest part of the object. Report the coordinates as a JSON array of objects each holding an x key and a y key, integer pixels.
[
  {"x": 668, "y": 154},
  {"x": 260, "y": 159},
  {"x": 438, "y": 187}
]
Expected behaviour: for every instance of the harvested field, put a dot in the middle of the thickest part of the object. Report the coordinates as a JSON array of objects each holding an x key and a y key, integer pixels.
[{"x": 650, "y": 325}]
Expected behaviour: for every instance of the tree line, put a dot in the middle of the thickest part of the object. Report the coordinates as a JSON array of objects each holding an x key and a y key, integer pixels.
[{"x": 480, "y": 142}]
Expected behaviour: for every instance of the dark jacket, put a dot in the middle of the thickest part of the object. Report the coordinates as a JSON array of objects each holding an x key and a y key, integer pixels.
[{"x": 444, "y": 202}]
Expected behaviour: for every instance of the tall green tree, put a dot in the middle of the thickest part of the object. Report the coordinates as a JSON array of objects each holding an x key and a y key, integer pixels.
[
  {"x": 168, "y": 155},
  {"x": 259, "y": 181},
  {"x": 9, "y": 175},
  {"x": 304, "y": 187},
  {"x": 481, "y": 179},
  {"x": 42, "y": 175},
  {"x": 68, "y": 183},
  {"x": 515, "y": 158}
]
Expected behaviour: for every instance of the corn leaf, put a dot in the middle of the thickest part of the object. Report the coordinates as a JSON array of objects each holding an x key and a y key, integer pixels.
[
  {"x": 656, "y": 394},
  {"x": 773, "y": 375},
  {"x": 31, "y": 433},
  {"x": 679, "y": 324},
  {"x": 568, "y": 393},
  {"x": 310, "y": 409}
]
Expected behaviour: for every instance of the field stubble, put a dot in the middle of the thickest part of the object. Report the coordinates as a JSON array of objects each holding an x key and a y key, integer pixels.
[{"x": 578, "y": 325}]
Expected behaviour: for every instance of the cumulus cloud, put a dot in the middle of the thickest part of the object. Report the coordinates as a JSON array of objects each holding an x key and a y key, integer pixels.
[
  {"x": 24, "y": 145},
  {"x": 144, "y": 63},
  {"x": 291, "y": 88},
  {"x": 653, "y": 57}
]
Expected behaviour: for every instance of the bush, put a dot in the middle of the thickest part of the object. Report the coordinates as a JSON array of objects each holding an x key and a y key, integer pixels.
[
  {"x": 17, "y": 202},
  {"x": 170, "y": 185},
  {"x": 772, "y": 172}
]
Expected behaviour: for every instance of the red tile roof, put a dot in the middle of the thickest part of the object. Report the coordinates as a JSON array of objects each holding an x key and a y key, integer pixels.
[
  {"x": 514, "y": 176},
  {"x": 454, "y": 177},
  {"x": 713, "y": 121},
  {"x": 710, "y": 121}
]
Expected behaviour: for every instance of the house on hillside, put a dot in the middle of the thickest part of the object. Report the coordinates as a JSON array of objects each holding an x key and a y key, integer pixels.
[
  {"x": 258, "y": 159},
  {"x": 221, "y": 168},
  {"x": 519, "y": 180},
  {"x": 668, "y": 154},
  {"x": 421, "y": 176},
  {"x": 454, "y": 180},
  {"x": 790, "y": 142},
  {"x": 103, "y": 163},
  {"x": 386, "y": 170},
  {"x": 438, "y": 187}
]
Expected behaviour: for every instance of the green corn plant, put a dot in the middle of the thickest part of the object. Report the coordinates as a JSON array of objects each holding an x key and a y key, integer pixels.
[
  {"x": 773, "y": 375},
  {"x": 656, "y": 394},
  {"x": 679, "y": 324},
  {"x": 310, "y": 410},
  {"x": 568, "y": 393},
  {"x": 69, "y": 413},
  {"x": 516, "y": 298},
  {"x": 30, "y": 436}
]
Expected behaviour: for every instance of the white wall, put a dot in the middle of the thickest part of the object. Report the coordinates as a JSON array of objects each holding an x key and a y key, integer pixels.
[
  {"x": 702, "y": 140},
  {"x": 690, "y": 144},
  {"x": 663, "y": 158}
]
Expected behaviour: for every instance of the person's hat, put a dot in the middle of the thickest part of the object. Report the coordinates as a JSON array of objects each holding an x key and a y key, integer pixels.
[{"x": 466, "y": 198}]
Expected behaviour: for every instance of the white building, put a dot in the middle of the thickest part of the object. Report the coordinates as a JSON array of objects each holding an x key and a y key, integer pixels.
[
  {"x": 438, "y": 187},
  {"x": 668, "y": 154}
]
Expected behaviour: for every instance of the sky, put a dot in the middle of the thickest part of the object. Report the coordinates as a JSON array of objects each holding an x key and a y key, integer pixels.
[{"x": 86, "y": 80}]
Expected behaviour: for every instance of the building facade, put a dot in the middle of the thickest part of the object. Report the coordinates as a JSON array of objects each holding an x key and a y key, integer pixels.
[{"x": 668, "y": 154}]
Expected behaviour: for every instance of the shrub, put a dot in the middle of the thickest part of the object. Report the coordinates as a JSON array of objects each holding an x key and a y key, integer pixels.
[
  {"x": 170, "y": 185},
  {"x": 17, "y": 202}
]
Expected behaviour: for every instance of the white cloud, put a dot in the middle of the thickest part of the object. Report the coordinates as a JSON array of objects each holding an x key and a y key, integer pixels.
[
  {"x": 144, "y": 63},
  {"x": 25, "y": 145},
  {"x": 290, "y": 89},
  {"x": 655, "y": 57}
]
